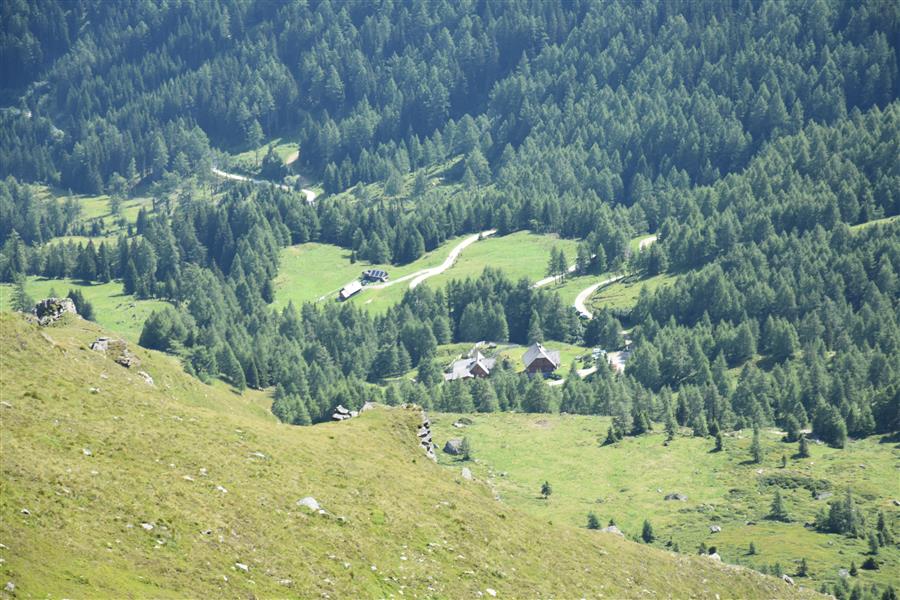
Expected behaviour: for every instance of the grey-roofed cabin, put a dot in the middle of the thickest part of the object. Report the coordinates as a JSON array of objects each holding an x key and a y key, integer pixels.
[{"x": 538, "y": 359}]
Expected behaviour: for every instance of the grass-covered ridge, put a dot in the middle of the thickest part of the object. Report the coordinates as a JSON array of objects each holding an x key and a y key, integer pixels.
[
  {"x": 628, "y": 481},
  {"x": 218, "y": 480}
]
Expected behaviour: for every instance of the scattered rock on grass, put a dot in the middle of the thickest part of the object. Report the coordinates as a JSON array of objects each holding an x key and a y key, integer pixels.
[
  {"x": 676, "y": 496},
  {"x": 309, "y": 502},
  {"x": 453, "y": 447},
  {"x": 467, "y": 473},
  {"x": 147, "y": 526},
  {"x": 715, "y": 556},
  {"x": 10, "y": 587},
  {"x": 714, "y": 529},
  {"x": 613, "y": 530},
  {"x": 242, "y": 567},
  {"x": 788, "y": 579}
]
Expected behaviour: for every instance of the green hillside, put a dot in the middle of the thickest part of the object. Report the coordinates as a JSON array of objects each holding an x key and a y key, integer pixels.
[
  {"x": 218, "y": 480},
  {"x": 628, "y": 481},
  {"x": 114, "y": 309}
]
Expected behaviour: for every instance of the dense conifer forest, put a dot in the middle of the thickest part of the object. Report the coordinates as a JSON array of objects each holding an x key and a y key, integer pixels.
[{"x": 751, "y": 137}]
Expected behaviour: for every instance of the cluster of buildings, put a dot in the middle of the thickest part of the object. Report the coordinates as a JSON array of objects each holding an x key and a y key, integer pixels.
[
  {"x": 356, "y": 286},
  {"x": 537, "y": 359}
]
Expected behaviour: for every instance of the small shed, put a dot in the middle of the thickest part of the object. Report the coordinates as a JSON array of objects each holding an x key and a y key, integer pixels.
[
  {"x": 538, "y": 359},
  {"x": 375, "y": 275},
  {"x": 350, "y": 289}
]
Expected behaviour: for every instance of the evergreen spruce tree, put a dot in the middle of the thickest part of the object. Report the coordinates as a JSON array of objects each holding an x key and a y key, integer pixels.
[
  {"x": 610, "y": 437},
  {"x": 21, "y": 301},
  {"x": 84, "y": 308},
  {"x": 466, "y": 449},
  {"x": 756, "y": 451},
  {"x": 719, "y": 445},
  {"x": 428, "y": 373},
  {"x": 647, "y": 532},
  {"x": 873, "y": 543},
  {"x": 777, "y": 511},
  {"x": 535, "y": 329},
  {"x": 592, "y": 521},
  {"x": 546, "y": 490},
  {"x": 803, "y": 451}
]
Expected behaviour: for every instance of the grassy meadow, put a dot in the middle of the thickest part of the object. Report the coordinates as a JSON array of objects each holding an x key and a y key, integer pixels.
[
  {"x": 308, "y": 272},
  {"x": 627, "y": 482},
  {"x": 248, "y": 161},
  {"x": 113, "y": 309},
  {"x": 96, "y": 207},
  {"x": 624, "y": 294},
  {"x": 520, "y": 254},
  {"x": 312, "y": 271},
  {"x": 181, "y": 489}
]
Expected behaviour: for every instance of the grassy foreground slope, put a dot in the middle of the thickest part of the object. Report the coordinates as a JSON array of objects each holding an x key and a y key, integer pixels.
[
  {"x": 628, "y": 481},
  {"x": 97, "y": 456}
]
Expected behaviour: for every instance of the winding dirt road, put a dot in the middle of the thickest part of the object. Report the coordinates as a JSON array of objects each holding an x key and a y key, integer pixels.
[
  {"x": 420, "y": 276},
  {"x": 589, "y": 290},
  {"x": 586, "y": 293},
  {"x": 309, "y": 194}
]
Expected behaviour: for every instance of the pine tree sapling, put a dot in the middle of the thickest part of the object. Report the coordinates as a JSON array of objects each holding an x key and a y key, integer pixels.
[
  {"x": 803, "y": 569},
  {"x": 870, "y": 564},
  {"x": 592, "y": 521},
  {"x": 756, "y": 451},
  {"x": 647, "y": 532},
  {"x": 803, "y": 451},
  {"x": 546, "y": 490},
  {"x": 466, "y": 449},
  {"x": 610, "y": 437},
  {"x": 777, "y": 512},
  {"x": 752, "y": 549}
]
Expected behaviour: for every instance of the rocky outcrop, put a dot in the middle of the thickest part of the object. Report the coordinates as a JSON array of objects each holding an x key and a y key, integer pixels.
[
  {"x": 342, "y": 414},
  {"x": 613, "y": 530},
  {"x": 676, "y": 496},
  {"x": 424, "y": 434},
  {"x": 51, "y": 310},
  {"x": 118, "y": 351},
  {"x": 453, "y": 447}
]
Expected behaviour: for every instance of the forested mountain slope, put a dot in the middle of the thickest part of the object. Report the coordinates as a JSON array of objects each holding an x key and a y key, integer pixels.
[
  {"x": 560, "y": 97},
  {"x": 115, "y": 487}
]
